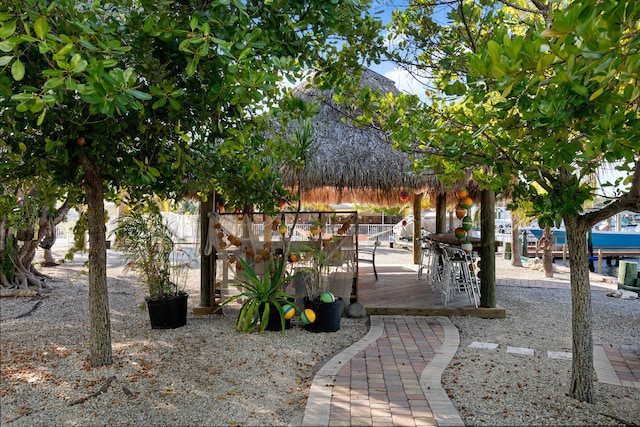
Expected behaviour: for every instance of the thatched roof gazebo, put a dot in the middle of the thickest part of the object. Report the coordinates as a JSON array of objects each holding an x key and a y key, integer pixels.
[
  {"x": 353, "y": 163},
  {"x": 350, "y": 162}
]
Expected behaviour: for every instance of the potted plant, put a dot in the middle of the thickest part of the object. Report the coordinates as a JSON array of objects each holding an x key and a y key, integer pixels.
[
  {"x": 148, "y": 246},
  {"x": 267, "y": 306},
  {"x": 326, "y": 306}
]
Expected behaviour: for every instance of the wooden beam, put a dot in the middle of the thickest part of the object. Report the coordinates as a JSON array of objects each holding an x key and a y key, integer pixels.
[
  {"x": 441, "y": 213},
  {"x": 417, "y": 226},
  {"x": 205, "y": 306}
]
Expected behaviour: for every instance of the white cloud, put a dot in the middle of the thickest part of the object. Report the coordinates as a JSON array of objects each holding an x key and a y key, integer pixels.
[{"x": 407, "y": 83}]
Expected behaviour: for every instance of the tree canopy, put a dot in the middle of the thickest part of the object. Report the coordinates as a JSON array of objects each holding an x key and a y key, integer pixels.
[
  {"x": 143, "y": 97},
  {"x": 529, "y": 95}
]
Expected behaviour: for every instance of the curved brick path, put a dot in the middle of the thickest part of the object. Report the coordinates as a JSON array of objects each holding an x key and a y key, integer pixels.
[{"x": 390, "y": 377}]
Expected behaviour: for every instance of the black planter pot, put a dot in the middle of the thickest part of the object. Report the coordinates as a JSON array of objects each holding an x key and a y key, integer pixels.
[
  {"x": 274, "y": 320},
  {"x": 168, "y": 313},
  {"x": 328, "y": 315}
]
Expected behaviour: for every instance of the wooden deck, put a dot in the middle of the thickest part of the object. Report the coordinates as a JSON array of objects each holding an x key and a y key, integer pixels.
[{"x": 399, "y": 292}]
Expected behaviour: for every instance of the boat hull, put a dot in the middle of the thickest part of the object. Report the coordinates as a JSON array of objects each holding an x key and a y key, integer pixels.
[{"x": 610, "y": 241}]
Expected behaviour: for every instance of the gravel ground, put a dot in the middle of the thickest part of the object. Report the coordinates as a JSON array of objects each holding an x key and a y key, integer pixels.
[
  {"x": 494, "y": 387},
  {"x": 203, "y": 374},
  {"x": 207, "y": 374}
]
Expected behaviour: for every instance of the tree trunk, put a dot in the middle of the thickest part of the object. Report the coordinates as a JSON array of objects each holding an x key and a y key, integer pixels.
[
  {"x": 488, "y": 250},
  {"x": 21, "y": 255},
  {"x": 582, "y": 366},
  {"x": 50, "y": 235},
  {"x": 100, "y": 323},
  {"x": 516, "y": 258},
  {"x": 49, "y": 260},
  {"x": 547, "y": 241},
  {"x": 206, "y": 207}
]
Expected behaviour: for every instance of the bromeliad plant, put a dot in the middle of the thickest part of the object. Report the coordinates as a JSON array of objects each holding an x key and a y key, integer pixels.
[{"x": 264, "y": 293}]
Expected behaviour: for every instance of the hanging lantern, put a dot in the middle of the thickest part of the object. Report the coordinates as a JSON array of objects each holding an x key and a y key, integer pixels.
[
  {"x": 460, "y": 211},
  {"x": 404, "y": 196},
  {"x": 282, "y": 228},
  {"x": 466, "y": 202},
  {"x": 462, "y": 194},
  {"x": 467, "y": 223},
  {"x": 460, "y": 233}
]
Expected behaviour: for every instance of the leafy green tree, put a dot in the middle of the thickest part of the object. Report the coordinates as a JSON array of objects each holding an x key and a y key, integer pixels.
[
  {"x": 28, "y": 220},
  {"x": 144, "y": 97},
  {"x": 543, "y": 92}
]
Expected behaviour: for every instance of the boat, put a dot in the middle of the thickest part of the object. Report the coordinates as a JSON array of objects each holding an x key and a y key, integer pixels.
[{"x": 625, "y": 242}]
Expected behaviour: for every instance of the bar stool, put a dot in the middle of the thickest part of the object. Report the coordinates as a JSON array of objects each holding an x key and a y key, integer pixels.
[
  {"x": 426, "y": 252},
  {"x": 431, "y": 264},
  {"x": 460, "y": 276}
]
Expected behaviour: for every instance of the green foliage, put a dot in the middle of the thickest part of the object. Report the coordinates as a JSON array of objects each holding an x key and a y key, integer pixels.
[
  {"x": 401, "y": 211},
  {"x": 6, "y": 265},
  {"x": 148, "y": 243},
  {"x": 79, "y": 235},
  {"x": 166, "y": 97},
  {"x": 531, "y": 96},
  {"x": 538, "y": 100},
  {"x": 148, "y": 97},
  {"x": 320, "y": 255},
  {"x": 263, "y": 293}
]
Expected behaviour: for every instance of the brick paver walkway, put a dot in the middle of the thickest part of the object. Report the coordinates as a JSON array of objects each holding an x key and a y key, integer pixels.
[
  {"x": 393, "y": 378},
  {"x": 625, "y": 360}
]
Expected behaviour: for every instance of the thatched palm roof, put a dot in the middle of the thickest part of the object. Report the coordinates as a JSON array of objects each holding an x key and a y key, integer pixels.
[{"x": 353, "y": 163}]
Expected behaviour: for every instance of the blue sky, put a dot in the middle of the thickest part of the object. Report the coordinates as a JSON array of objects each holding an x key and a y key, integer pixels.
[{"x": 382, "y": 9}]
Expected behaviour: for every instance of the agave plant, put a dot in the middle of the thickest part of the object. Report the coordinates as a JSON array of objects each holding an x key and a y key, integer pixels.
[{"x": 264, "y": 293}]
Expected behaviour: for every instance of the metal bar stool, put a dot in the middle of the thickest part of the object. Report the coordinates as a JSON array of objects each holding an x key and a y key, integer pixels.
[
  {"x": 460, "y": 276},
  {"x": 426, "y": 252},
  {"x": 431, "y": 263}
]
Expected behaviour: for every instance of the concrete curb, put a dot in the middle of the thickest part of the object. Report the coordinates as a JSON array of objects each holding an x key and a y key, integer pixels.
[
  {"x": 443, "y": 409},
  {"x": 319, "y": 402}
]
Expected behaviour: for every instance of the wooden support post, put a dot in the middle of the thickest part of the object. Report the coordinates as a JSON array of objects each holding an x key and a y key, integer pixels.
[
  {"x": 488, "y": 250},
  {"x": 600, "y": 261},
  {"x": 441, "y": 213},
  {"x": 417, "y": 227},
  {"x": 627, "y": 274},
  {"x": 207, "y": 292}
]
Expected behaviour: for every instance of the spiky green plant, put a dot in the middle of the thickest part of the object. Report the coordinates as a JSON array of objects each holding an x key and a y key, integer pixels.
[{"x": 263, "y": 293}]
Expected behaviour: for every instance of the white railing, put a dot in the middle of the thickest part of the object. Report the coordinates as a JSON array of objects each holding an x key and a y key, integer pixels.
[
  {"x": 187, "y": 228},
  {"x": 369, "y": 233}
]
